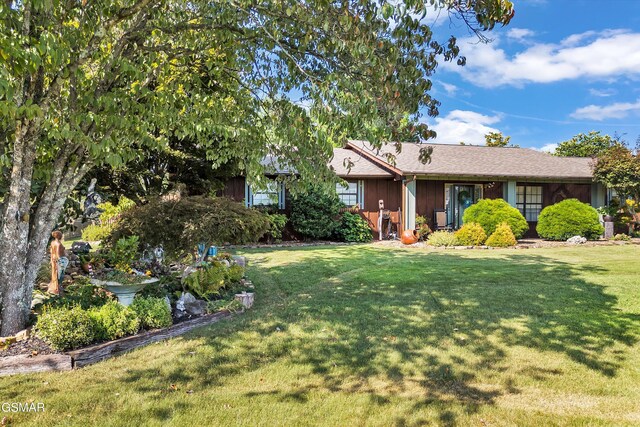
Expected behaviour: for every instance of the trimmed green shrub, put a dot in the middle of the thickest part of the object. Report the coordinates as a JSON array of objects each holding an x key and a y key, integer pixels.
[
  {"x": 471, "y": 234},
  {"x": 153, "y": 312},
  {"x": 503, "y": 237},
  {"x": 277, "y": 222},
  {"x": 569, "y": 218},
  {"x": 353, "y": 228},
  {"x": 66, "y": 328},
  {"x": 489, "y": 213},
  {"x": 180, "y": 223},
  {"x": 314, "y": 214},
  {"x": 442, "y": 238},
  {"x": 113, "y": 321}
]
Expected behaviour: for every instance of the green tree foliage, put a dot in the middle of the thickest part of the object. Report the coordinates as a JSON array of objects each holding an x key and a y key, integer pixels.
[
  {"x": 569, "y": 218},
  {"x": 490, "y": 213},
  {"x": 179, "y": 224},
  {"x": 619, "y": 168},
  {"x": 496, "y": 139},
  {"x": 592, "y": 144},
  {"x": 88, "y": 83},
  {"x": 314, "y": 213}
]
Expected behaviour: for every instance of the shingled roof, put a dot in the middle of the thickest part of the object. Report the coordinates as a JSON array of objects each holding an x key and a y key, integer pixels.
[
  {"x": 479, "y": 161},
  {"x": 361, "y": 166}
]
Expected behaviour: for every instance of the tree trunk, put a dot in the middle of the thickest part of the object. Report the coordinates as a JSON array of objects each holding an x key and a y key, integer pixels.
[{"x": 14, "y": 236}]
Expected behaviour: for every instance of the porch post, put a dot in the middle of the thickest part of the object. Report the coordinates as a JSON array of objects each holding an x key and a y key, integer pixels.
[
  {"x": 409, "y": 207},
  {"x": 598, "y": 194},
  {"x": 509, "y": 192}
]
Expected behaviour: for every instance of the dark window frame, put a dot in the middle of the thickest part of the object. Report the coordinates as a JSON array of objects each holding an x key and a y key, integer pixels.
[{"x": 522, "y": 207}]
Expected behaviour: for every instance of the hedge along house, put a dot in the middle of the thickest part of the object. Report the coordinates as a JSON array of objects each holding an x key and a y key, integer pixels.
[{"x": 456, "y": 177}]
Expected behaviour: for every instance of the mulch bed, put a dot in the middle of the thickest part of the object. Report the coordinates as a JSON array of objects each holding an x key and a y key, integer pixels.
[{"x": 34, "y": 346}]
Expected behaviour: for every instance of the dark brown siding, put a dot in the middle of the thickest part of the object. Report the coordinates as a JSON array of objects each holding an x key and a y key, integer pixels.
[
  {"x": 233, "y": 188},
  {"x": 554, "y": 193},
  {"x": 381, "y": 189}
]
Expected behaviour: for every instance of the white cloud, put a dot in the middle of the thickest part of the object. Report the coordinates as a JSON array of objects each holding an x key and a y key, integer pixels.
[
  {"x": 449, "y": 88},
  {"x": 596, "y": 55},
  {"x": 603, "y": 93},
  {"x": 618, "y": 110},
  {"x": 464, "y": 126},
  {"x": 549, "y": 148},
  {"x": 520, "y": 34}
]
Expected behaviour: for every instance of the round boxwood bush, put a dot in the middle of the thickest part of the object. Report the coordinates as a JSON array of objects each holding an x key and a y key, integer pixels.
[
  {"x": 489, "y": 213},
  {"x": 503, "y": 237},
  {"x": 471, "y": 234},
  {"x": 66, "y": 328},
  {"x": 569, "y": 218},
  {"x": 353, "y": 228},
  {"x": 153, "y": 312},
  {"x": 113, "y": 321}
]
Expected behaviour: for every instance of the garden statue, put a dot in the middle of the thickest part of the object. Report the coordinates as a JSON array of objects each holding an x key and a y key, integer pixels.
[
  {"x": 59, "y": 263},
  {"x": 91, "y": 210},
  {"x": 158, "y": 253}
]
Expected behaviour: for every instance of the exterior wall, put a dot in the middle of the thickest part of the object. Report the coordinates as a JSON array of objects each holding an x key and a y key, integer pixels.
[
  {"x": 233, "y": 188},
  {"x": 381, "y": 189}
]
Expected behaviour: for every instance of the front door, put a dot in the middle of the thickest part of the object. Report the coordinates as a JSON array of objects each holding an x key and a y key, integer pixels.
[{"x": 459, "y": 198}]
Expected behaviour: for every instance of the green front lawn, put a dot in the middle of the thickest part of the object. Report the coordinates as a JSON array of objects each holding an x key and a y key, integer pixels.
[{"x": 366, "y": 335}]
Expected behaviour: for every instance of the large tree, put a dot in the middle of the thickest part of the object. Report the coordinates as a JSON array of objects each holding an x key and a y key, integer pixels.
[
  {"x": 591, "y": 144},
  {"x": 91, "y": 82}
]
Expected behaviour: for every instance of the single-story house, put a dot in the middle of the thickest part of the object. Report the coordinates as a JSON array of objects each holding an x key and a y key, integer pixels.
[{"x": 456, "y": 177}]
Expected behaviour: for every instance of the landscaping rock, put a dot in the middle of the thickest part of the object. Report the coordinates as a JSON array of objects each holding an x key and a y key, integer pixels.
[
  {"x": 196, "y": 308},
  {"x": 239, "y": 260},
  {"x": 245, "y": 298},
  {"x": 577, "y": 240},
  {"x": 23, "y": 335}
]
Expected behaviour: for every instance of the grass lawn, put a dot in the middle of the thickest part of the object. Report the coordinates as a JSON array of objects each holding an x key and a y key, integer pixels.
[{"x": 365, "y": 335}]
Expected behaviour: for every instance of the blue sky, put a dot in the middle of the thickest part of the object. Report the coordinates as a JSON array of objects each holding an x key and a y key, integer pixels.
[{"x": 561, "y": 67}]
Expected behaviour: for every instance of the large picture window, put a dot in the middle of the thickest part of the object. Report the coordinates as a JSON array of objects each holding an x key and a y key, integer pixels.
[
  {"x": 351, "y": 193},
  {"x": 529, "y": 201},
  {"x": 272, "y": 195}
]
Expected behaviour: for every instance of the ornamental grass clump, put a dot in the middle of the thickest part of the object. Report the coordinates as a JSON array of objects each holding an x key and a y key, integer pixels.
[
  {"x": 471, "y": 234},
  {"x": 442, "y": 238},
  {"x": 490, "y": 213},
  {"x": 569, "y": 218},
  {"x": 503, "y": 237}
]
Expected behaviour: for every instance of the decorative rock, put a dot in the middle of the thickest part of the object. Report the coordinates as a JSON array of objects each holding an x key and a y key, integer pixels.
[
  {"x": 187, "y": 297},
  {"x": 576, "y": 240},
  {"x": 196, "y": 308},
  {"x": 6, "y": 341},
  {"x": 245, "y": 298},
  {"x": 239, "y": 260},
  {"x": 81, "y": 247},
  {"x": 23, "y": 335}
]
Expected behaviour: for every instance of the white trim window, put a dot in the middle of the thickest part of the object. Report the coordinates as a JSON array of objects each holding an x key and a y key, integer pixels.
[
  {"x": 351, "y": 193},
  {"x": 273, "y": 195},
  {"x": 529, "y": 201}
]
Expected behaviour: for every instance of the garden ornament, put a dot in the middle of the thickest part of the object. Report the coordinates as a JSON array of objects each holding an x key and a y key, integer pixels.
[
  {"x": 91, "y": 210},
  {"x": 59, "y": 263}
]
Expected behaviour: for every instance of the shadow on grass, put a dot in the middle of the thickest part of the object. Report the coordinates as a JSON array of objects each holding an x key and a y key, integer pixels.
[{"x": 367, "y": 321}]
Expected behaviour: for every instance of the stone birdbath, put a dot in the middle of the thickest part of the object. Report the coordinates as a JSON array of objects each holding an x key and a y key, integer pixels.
[{"x": 125, "y": 292}]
